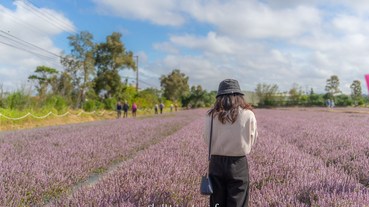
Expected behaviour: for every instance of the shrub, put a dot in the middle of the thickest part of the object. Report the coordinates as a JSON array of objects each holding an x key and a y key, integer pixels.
[
  {"x": 89, "y": 105},
  {"x": 17, "y": 100},
  {"x": 110, "y": 103},
  {"x": 56, "y": 102}
]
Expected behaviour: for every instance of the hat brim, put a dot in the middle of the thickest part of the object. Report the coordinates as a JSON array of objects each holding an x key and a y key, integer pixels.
[{"x": 230, "y": 92}]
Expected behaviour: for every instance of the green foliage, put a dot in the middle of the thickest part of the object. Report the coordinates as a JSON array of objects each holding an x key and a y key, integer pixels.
[
  {"x": 111, "y": 57},
  {"x": 17, "y": 100},
  {"x": 99, "y": 105},
  {"x": 110, "y": 103},
  {"x": 108, "y": 83},
  {"x": 128, "y": 94},
  {"x": 167, "y": 103},
  {"x": 198, "y": 98},
  {"x": 343, "y": 100},
  {"x": 63, "y": 86},
  {"x": 359, "y": 101},
  {"x": 315, "y": 100},
  {"x": 79, "y": 65},
  {"x": 332, "y": 86},
  {"x": 89, "y": 105},
  {"x": 356, "y": 92},
  {"x": 295, "y": 95},
  {"x": 271, "y": 101},
  {"x": 267, "y": 94},
  {"x": 174, "y": 85},
  {"x": 147, "y": 98},
  {"x": 44, "y": 76},
  {"x": 56, "y": 102}
]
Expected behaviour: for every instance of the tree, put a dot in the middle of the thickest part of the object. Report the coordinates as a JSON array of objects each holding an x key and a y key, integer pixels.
[
  {"x": 195, "y": 97},
  {"x": 295, "y": 94},
  {"x": 80, "y": 63},
  {"x": 199, "y": 97},
  {"x": 44, "y": 77},
  {"x": 356, "y": 91},
  {"x": 332, "y": 86},
  {"x": 63, "y": 86},
  {"x": 174, "y": 85},
  {"x": 315, "y": 99},
  {"x": 111, "y": 57},
  {"x": 266, "y": 94},
  {"x": 147, "y": 98},
  {"x": 343, "y": 100}
]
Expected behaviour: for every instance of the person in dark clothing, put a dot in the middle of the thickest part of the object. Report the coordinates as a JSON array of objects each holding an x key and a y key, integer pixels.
[
  {"x": 119, "y": 109},
  {"x": 161, "y": 107},
  {"x": 125, "y": 109},
  {"x": 233, "y": 135}
]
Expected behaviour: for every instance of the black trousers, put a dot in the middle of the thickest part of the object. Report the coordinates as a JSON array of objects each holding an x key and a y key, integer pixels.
[{"x": 230, "y": 181}]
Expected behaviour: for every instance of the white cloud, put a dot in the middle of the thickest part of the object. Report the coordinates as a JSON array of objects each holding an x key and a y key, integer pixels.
[
  {"x": 212, "y": 42},
  {"x": 26, "y": 41},
  {"x": 166, "y": 47},
  {"x": 359, "y": 6},
  {"x": 161, "y": 12},
  {"x": 270, "y": 41},
  {"x": 281, "y": 41},
  {"x": 256, "y": 20},
  {"x": 349, "y": 23}
]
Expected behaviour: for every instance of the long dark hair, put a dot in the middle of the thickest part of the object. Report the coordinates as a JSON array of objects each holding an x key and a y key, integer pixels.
[{"x": 226, "y": 107}]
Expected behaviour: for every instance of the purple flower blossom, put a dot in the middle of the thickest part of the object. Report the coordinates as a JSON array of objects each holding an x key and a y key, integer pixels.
[{"x": 308, "y": 157}]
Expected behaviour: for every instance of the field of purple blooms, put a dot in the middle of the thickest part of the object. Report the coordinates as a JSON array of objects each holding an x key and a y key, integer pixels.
[{"x": 303, "y": 157}]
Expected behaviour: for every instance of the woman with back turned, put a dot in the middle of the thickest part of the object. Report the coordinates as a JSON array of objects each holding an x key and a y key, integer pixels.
[{"x": 234, "y": 133}]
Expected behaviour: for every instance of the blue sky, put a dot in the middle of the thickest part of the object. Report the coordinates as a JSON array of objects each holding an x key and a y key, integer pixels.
[{"x": 283, "y": 42}]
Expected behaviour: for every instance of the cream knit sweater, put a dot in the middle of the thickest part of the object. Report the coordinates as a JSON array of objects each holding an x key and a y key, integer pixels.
[{"x": 232, "y": 139}]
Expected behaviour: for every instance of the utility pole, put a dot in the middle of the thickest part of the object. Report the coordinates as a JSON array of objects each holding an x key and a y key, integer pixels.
[{"x": 136, "y": 56}]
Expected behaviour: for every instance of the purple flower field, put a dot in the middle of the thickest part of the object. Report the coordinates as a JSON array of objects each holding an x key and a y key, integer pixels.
[{"x": 303, "y": 157}]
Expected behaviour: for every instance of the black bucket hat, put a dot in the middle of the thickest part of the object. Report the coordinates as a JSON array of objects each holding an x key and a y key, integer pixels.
[{"x": 229, "y": 86}]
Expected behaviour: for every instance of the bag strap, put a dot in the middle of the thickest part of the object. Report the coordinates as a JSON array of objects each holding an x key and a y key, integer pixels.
[{"x": 211, "y": 135}]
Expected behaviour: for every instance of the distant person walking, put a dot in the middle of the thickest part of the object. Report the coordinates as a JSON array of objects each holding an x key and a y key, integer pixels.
[
  {"x": 175, "y": 107},
  {"x": 125, "y": 109},
  {"x": 171, "y": 107},
  {"x": 161, "y": 106},
  {"x": 156, "y": 107},
  {"x": 328, "y": 103},
  {"x": 134, "y": 109},
  {"x": 119, "y": 109},
  {"x": 234, "y": 132}
]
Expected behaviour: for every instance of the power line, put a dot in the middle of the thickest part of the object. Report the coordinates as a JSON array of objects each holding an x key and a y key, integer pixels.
[
  {"x": 26, "y": 50},
  {"x": 147, "y": 84},
  {"x": 25, "y": 43},
  {"x": 141, "y": 81},
  {"x": 52, "y": 20},
  {"x": 18, "y": 43},
  {"x": 49, "y": 17},
  {"x": 21, "y": 21}
]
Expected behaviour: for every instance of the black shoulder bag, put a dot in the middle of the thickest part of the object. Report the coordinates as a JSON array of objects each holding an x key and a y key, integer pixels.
[{"x": 206, "y": 187}]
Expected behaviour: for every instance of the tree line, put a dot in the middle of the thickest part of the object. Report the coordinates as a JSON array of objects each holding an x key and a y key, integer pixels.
[
  {"x": 269, "y": 95},
  {"x": 91, "y": 81}
]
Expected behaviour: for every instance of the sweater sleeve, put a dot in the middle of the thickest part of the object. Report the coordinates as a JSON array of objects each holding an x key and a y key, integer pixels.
[{"x": 253, "y": 129}]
